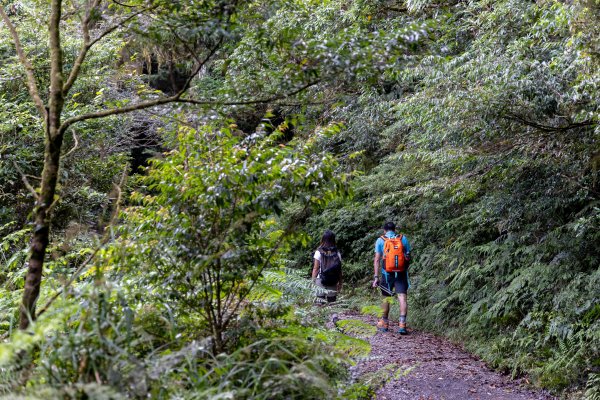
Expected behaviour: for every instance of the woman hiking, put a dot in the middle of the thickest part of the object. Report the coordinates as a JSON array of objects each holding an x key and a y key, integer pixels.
[{"x": 327, "y": 267}]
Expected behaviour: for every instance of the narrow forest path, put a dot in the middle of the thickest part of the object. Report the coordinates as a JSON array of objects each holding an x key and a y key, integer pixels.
[{"x": 422, "y": 366}]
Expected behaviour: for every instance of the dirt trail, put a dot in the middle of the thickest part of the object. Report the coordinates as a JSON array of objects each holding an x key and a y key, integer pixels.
[{"x": 429, "y": 367}]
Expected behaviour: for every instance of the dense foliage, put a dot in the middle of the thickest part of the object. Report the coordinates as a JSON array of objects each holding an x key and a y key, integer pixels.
[
  {"x": 484, "y": 149},
  {"x": 156, "y": 312},
  {"x": 173, "y": 284},
  {"x": 473, "y": 125}
]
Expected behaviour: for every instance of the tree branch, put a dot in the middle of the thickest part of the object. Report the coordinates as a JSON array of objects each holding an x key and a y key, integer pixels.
[
  {"x": 143, "y": 105},
  {"x": 85, "y": 32},
  {"x": 32, "y": 86},
  {"x": 122, "y": 4},
  {"x": 252, "y": 101},
  {"x": 75, "y": 146},
  {"x": 177, "y": 99},
  {"x": 56, "y": 98},
  {"x": 26, "y": 182},
  {"x": 395, "y": 9},
  {"x": 88, "y": 43},
  {"x": 548, "y": 128},
  {"x": 117, "y": 111}
]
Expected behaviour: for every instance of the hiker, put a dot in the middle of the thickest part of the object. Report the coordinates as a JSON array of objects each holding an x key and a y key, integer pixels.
[
  {"x": 392, "y": 258},
  {"x": 327, "y": 268}
]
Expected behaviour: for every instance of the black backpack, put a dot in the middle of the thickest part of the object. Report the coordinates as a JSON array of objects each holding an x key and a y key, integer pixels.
[{"x": 331, "y": 266}]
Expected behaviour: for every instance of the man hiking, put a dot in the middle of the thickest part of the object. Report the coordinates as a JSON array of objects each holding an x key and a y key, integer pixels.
[{"x": 392, "y": 257}]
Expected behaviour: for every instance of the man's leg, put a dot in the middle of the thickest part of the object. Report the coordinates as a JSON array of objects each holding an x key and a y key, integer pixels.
[
  {"x": 385, "y": 309},
  {"x": 383, "y": 323},
  {"x": 403, "y": 310},
  {"x": 403, "y": 304},
  {"x": 402, "y": 289}
]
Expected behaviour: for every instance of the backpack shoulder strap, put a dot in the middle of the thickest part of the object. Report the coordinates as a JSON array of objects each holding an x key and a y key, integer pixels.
[{"x": 383, "y": 237}]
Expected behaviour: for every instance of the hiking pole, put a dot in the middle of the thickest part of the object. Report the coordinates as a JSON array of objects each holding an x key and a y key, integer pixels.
[
  {"x": 385, "y": 289},
  {"x": 388, "y": 291}
]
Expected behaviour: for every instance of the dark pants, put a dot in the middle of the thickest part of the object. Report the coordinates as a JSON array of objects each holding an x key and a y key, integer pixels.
[
  {"x": 331, "y": 294},
  {"x": 392, "y": 283}
]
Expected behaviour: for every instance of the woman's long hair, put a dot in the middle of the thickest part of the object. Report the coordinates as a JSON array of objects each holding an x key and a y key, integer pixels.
[{"x": 328, "y": 239}]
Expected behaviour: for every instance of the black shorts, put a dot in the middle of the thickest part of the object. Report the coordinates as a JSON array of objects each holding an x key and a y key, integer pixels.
[{"x": 391, "y": 283}]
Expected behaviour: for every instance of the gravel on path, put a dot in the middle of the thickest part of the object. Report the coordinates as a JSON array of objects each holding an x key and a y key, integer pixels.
[{"x": 425, "y": 366}]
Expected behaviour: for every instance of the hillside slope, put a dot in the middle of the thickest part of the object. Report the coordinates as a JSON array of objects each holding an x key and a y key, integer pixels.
[{"x": 483, "y": 148}]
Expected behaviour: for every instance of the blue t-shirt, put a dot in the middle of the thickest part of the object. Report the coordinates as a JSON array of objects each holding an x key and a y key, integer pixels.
[{"x": 380, "y": 242}]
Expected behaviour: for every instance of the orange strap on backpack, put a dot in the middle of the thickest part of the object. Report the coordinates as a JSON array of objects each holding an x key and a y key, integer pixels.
[{"x": 393, "y": 254}]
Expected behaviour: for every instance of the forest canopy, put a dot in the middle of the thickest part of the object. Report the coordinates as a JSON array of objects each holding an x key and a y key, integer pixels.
[{"x": 166, "y": 168}]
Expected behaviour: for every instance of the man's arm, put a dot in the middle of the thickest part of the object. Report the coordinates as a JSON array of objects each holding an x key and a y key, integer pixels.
[
  {"x": 406, "y": 244},
  {"x": 407, "y": 250},
  {"x": 376, "y": 264},
  {"x": 376, "y": 267}
]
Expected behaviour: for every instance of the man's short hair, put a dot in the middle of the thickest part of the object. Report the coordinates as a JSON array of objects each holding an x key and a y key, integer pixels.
[{"x": 389, "y": 226}]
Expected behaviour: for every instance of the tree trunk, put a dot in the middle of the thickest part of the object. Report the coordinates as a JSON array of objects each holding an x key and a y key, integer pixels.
[
  {"x": 54, "y": 140},
  {"x": 41, "y": 233}
]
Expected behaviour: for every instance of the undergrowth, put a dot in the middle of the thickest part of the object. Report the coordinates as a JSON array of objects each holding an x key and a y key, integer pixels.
[{"x": 487, "y": 163}]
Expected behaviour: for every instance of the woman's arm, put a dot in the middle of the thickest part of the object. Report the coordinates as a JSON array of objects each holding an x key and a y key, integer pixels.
[{"x": 315, "y": 270}]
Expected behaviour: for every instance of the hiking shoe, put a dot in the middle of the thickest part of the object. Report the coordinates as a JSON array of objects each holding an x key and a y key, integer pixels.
[
  {"x": 383, "y": 326},
  {"x": 402, "y": 329}
]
